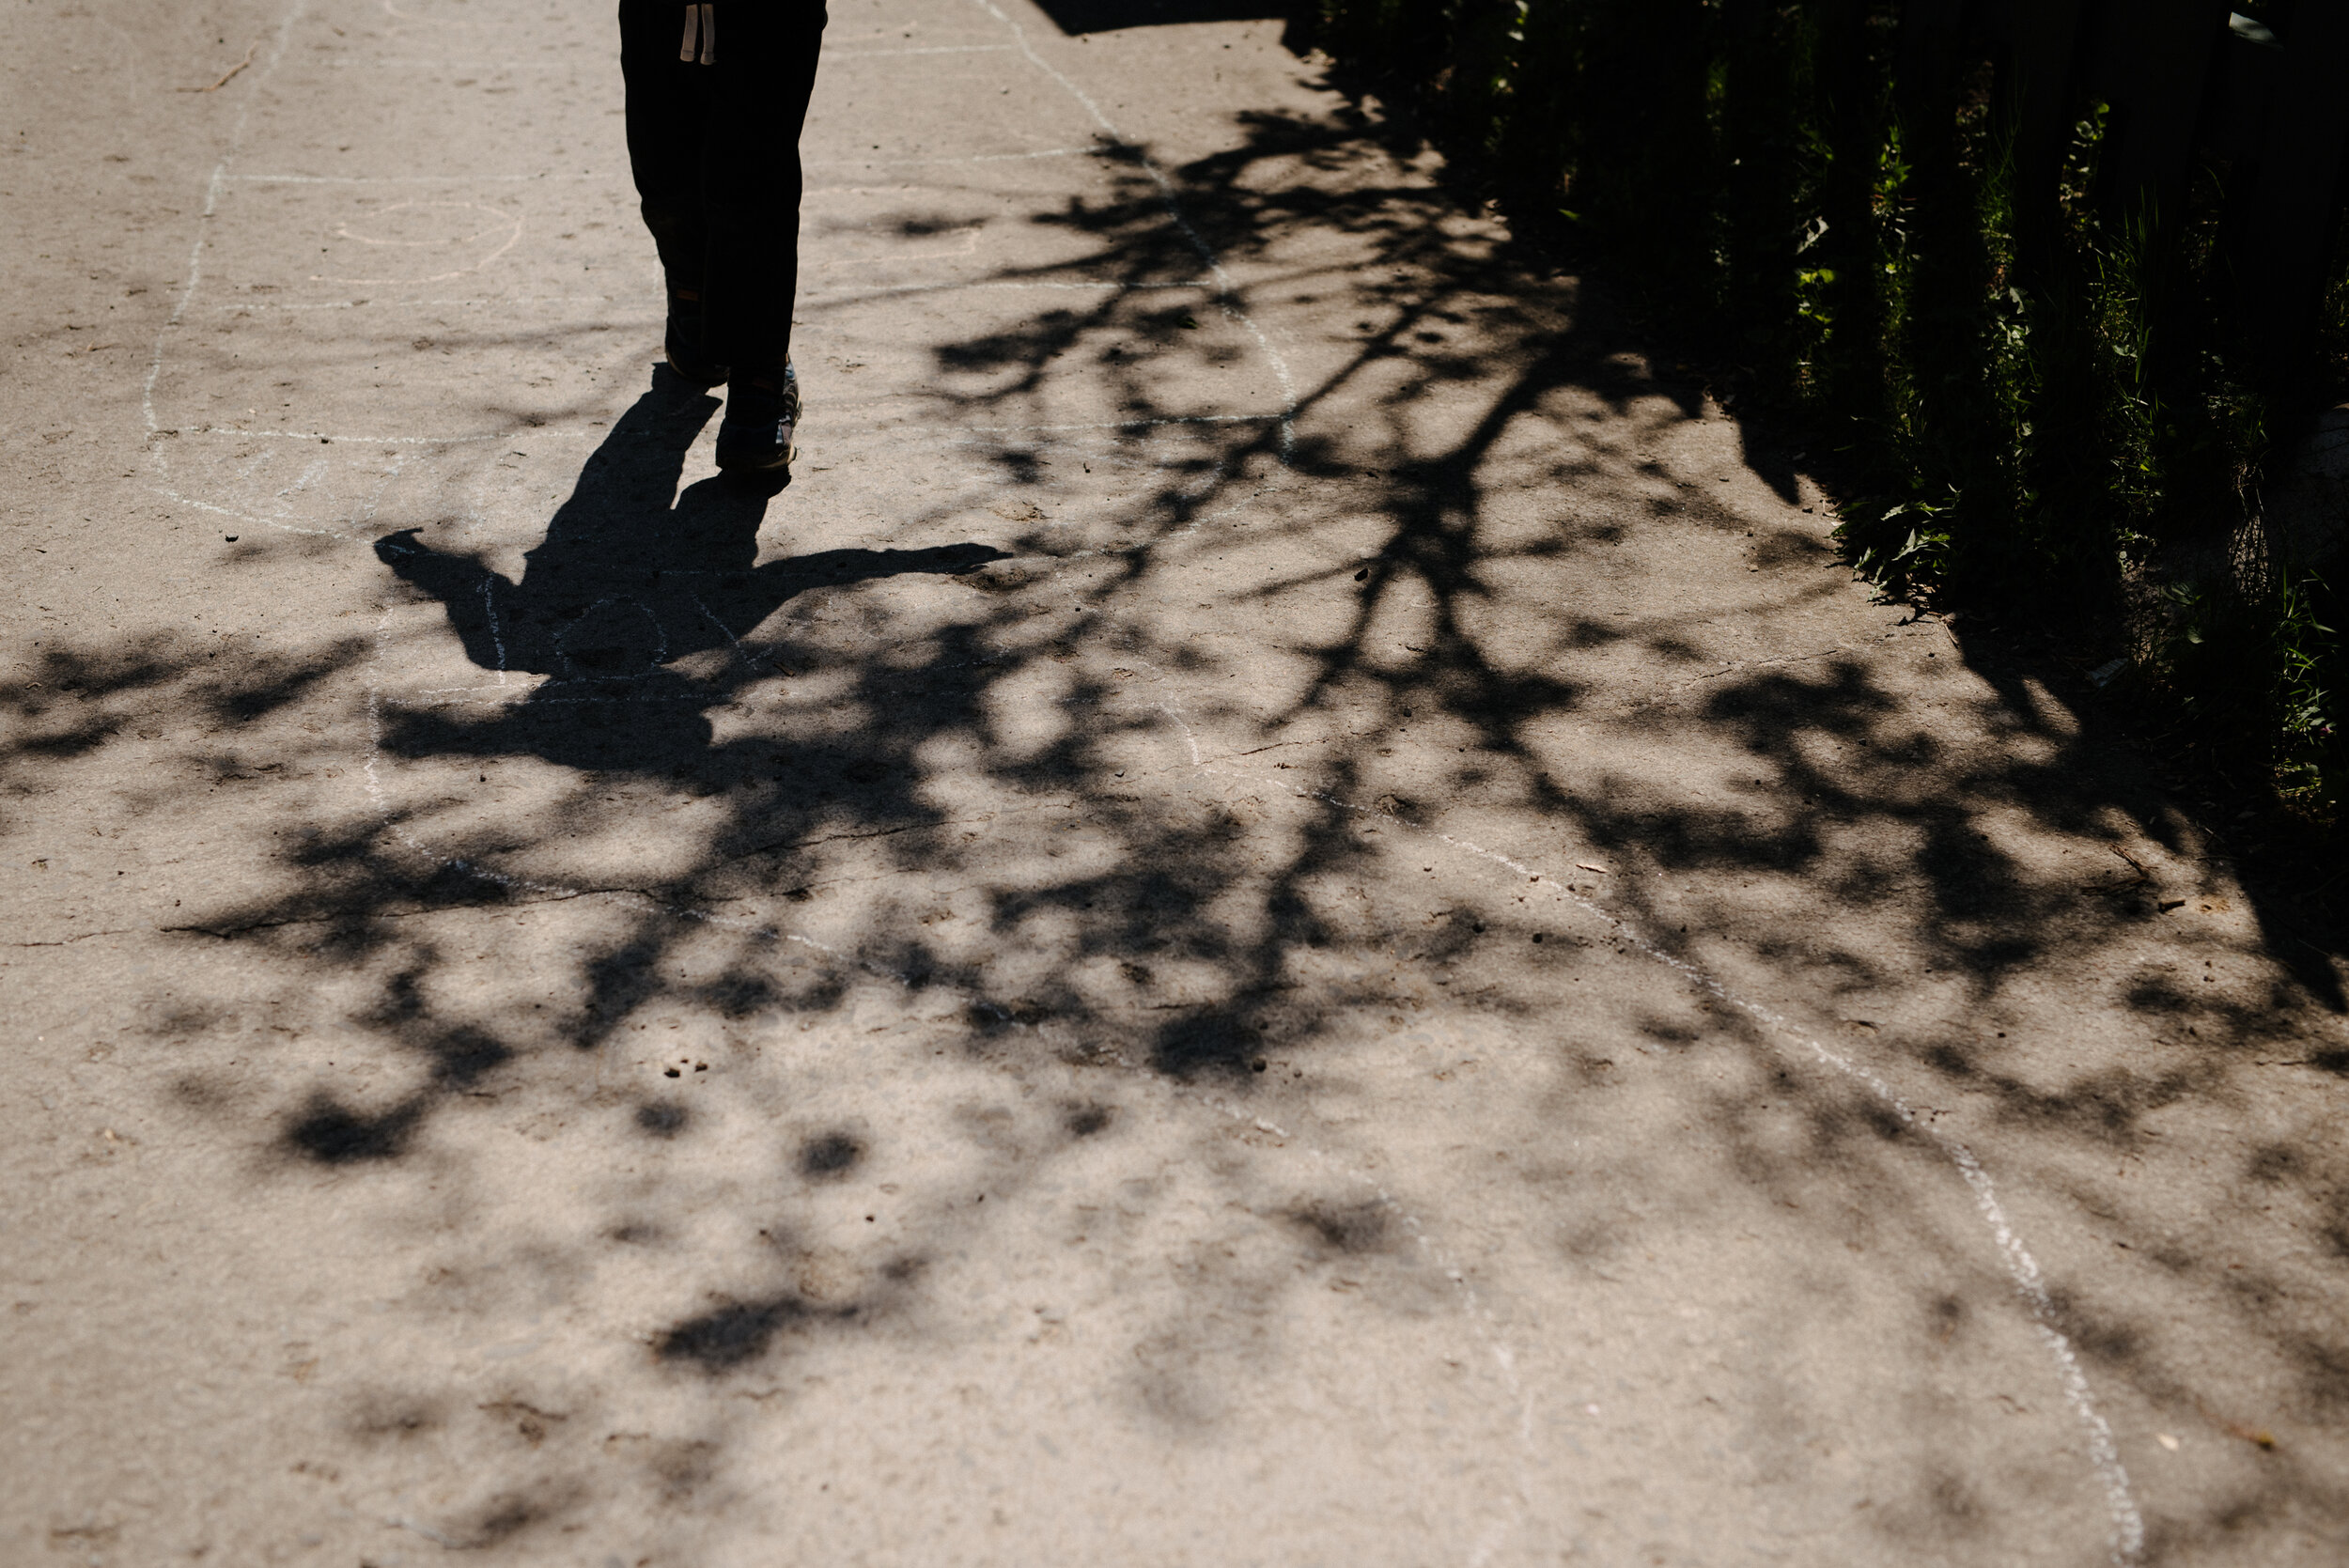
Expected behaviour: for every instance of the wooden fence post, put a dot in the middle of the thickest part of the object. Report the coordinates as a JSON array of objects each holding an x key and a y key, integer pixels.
[
  {"x": 2154, "y": 67},
  {"x": 2295, "y": 197},
  {"x": 2039, "y": 95}
]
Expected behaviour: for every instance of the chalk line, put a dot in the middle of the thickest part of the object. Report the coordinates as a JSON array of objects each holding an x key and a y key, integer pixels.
[
  {"x": 1229, "y": 297},
  {"x": 2127, "y": 1526}
]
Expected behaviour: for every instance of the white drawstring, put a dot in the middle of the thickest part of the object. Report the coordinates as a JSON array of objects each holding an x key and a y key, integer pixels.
[{"x": 701, "y": 22}]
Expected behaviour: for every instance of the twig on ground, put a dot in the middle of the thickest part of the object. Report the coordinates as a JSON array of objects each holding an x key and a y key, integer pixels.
[
  {"x": 2256, "y": 1436},
  {"x": 250, "y": 49}
]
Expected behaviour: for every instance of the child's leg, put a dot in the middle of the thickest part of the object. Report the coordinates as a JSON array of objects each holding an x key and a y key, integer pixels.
[
  {"x": 765, "y": 70},
  {"x": 667, "y": 111}
]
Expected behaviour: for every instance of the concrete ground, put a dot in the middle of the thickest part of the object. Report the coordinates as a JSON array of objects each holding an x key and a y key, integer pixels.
[{"x": 1283, "y": 912}]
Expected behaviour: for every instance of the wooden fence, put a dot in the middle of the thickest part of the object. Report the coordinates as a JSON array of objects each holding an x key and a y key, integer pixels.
[{"x": 2180, "y": 80}]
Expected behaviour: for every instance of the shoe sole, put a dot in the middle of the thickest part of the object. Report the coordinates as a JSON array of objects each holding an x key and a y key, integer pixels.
[{"x": 790, "y": 456}]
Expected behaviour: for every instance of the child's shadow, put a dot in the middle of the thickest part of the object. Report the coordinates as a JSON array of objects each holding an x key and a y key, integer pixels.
[{"x": 623, "y": 585}]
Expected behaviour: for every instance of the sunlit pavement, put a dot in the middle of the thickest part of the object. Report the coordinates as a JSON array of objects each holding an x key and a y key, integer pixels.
[{"x": 1283, "y": 912}]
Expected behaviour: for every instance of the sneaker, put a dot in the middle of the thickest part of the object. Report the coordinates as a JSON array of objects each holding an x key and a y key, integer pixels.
[
  {"x": 683, "y": 343},
  {"x": 762, "y": 414}
]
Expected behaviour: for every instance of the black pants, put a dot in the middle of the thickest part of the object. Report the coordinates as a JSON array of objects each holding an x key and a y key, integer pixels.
[{"x": 715, "y": 149}]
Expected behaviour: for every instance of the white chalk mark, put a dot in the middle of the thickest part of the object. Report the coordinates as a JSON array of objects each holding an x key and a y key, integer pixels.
[
  {"x": 383, "y": 487},
  {"x": 232, "y": 432},
  {"x": 504, "y": 219},
  {"x": 436, "y": 1537},
  {"x": 659, "y": 633},
  {"x": 177, "y": 499},
  {"x": 310, "y": 475},
  {"x": 187, "y": 292},
  {"x": 2127, "y": 1537},
  {"x": 194, "y": 279},
  {"x": 1230, "y": 298},
  {"x": 513, "y": 237}
]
